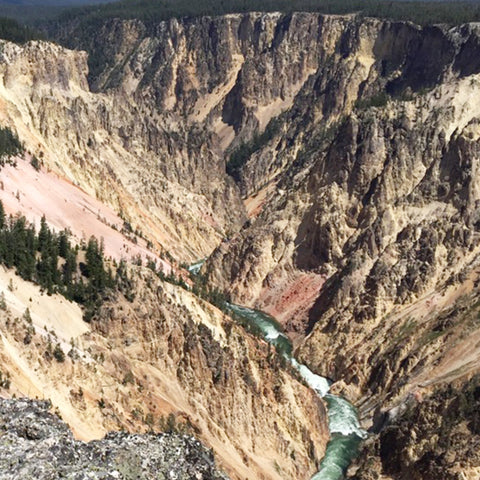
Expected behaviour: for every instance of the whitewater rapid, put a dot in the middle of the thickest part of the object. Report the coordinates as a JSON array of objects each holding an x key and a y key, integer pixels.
[
  {"x": 194, "y": 268},
  {"x": 344, "y": 426}
]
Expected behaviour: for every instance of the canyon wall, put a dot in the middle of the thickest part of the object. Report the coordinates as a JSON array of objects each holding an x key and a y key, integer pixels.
[
  {"x": 167, "y": 183},
  {"x": 149, "y": 130},
  {"x": 363, "y": 237},
  {"x": 161, "y": 360},
  {"x": 359, "y": 226},
  {"x": 375, "y": 207}
]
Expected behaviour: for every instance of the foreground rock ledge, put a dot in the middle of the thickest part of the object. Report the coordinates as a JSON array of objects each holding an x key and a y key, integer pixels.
[{"x": 36, "y": 444}]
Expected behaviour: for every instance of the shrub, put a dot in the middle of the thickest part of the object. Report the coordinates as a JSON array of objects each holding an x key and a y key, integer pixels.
[
  {"x": 58, "y": 353},
  {"x": 128, "y": 378},
  {"x": 4, "y": 381},
  {"x": 379, "y": 100},
  {"x": 35, "y": 163}
]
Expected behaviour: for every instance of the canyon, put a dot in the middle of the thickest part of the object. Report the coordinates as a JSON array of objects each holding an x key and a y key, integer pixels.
[{"x": 350, "y": 213}]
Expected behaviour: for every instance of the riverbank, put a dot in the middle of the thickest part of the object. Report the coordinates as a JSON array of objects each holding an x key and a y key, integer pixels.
[{"x": 345, "y": 429}]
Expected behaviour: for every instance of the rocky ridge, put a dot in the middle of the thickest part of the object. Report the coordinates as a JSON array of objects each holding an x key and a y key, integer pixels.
[{"x": 36, "y": 444}]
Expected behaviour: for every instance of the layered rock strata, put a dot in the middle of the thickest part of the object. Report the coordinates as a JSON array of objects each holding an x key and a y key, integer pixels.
[{"x": 162, "y": 360}]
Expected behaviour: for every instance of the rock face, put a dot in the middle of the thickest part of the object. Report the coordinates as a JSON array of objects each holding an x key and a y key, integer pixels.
[
  {"x": 36, "y": 444},
  {"x": 163, "y": 360},
  {"x": 362, "y": 189},
  {"x": 375, "y": 205},
  {"x": 364, "y": 238},
  {"x": 438, "y": 437},
  {"x": 166, "y": 102},
  {"x": 163, "y": 178},
  {"x": 231, "y": 74}
]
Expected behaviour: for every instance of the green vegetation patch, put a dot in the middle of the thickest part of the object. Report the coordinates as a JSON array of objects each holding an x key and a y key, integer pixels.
[
  {"x": 379, "y": 100},
  {"x": 428, "y": 12},
  {"x": 50, "y": 260},
  {"x": 241, "y": 154},
  {"x": 12, "y": 31},
  {"x": 10, "y": 146}
]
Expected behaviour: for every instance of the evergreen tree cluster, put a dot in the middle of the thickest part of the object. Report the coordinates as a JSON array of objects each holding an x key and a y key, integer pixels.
[
  {"x": 10, "y": 146},
  {"x": 50, "y": 260},
  {"x": 243, "y": 152},
  {"x": 199, "y": 286},
  {"x": 13, "y": 31},
  {"x": 218, "y": 298},
  {"x": 212, "y": 295},
  {"x": 151, "y": 11}
]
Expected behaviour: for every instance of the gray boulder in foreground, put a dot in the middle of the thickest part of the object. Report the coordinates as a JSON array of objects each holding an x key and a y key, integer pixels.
[{"x": 34, "y": 444}]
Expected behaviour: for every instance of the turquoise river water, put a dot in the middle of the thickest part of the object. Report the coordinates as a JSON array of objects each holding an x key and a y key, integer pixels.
[
  {"x": 346, "y": 433},
  {"x": 345, "y": 430}
]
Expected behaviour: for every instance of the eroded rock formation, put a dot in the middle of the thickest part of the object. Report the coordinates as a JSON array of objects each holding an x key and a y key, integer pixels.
[
  {"x": 164, "y": 359},
  {"x": 364, "y": 237},
  {"x": 362, "y": 196}
]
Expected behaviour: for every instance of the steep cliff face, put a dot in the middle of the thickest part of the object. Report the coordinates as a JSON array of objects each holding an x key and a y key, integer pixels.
[
  {"x": 166, "y": 102},
  {"x": 151, "y": 172},
  {"x": 164, "y": 361},
  {"x": 438, "y": 437},
  {"x": 369, "y": 232},
  {"x": 231, "y": 73}
]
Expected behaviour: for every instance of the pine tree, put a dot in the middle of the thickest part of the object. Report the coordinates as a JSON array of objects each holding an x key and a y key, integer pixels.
[
  {"x": 43, "y": 234},
  {"x": 63, "y": 244},
  {"x": 95, "y": 267},
  {"x": 69, "y": 269},
  {"x": 2, "y": 215}
]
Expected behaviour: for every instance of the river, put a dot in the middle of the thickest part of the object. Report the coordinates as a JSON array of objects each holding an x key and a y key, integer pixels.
[{"x": 346, "y": 433}]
